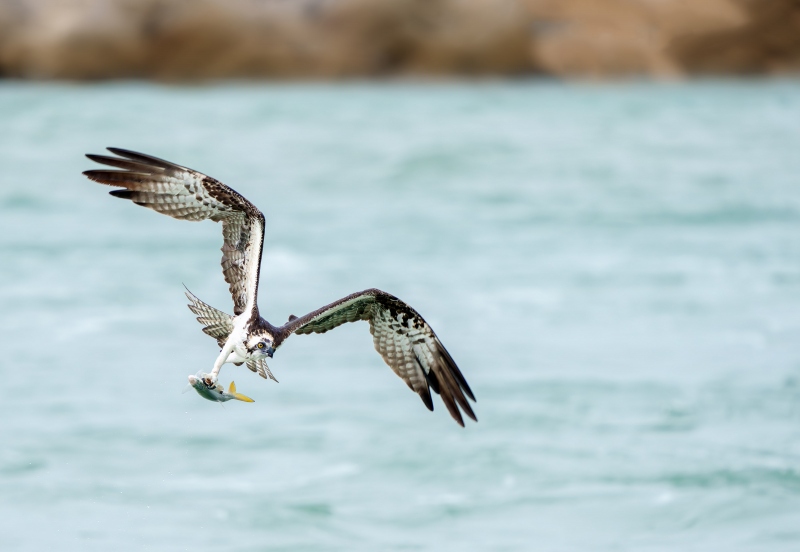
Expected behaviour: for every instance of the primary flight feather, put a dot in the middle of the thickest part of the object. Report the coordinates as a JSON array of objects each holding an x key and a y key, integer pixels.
[{"x": 402, "y": 337}]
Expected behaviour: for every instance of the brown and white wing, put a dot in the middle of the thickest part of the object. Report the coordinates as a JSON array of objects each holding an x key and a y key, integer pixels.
[
  {"x": 186, "y": 194},
  {"x": 216, "y": 323},
  {"x": 405, "y": 341}
]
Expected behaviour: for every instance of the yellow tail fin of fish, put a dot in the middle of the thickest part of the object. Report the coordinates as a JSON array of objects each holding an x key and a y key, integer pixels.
[{"x": 238, "y": 396}]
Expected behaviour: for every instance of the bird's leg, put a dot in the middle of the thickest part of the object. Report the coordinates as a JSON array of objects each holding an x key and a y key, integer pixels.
[{"x": 211, "y": 379}]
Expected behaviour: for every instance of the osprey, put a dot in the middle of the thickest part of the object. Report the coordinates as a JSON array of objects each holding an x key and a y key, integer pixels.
[{"x": 401, "y": 336}]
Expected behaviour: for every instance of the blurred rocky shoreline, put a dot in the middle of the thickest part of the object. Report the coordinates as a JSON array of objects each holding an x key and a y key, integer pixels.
[{"x": 189, "y": 40}]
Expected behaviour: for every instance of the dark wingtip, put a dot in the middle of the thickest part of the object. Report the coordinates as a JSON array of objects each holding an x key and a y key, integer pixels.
[
  {"x": 124, "y": 194},
  {"x": 431, "y": 378},
  {"x": 468, "y": 391},
  {"x": 452, "y": 408},
  {"x": 93, "y": 174},
  {"x": 425, "y": 395},
  {"x": 471, "y": 414},
  {"x": 144, "y": 159},
  {"x": 462, "y": 381},
  {"x": 452, "y": 392}
]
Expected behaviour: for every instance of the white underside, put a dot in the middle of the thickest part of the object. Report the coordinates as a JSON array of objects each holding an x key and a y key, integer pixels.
[
  {"x": 234, "y": 349},
  {"x": 236, "y": 356},
  {"x": 234, "y": 345}
]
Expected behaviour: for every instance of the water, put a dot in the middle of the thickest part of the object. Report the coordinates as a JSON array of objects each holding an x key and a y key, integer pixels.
[{"x": 615, "y": 268}]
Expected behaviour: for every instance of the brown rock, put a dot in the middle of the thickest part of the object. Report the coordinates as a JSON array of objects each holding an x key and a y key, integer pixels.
[
  {"x": 211, "y": 39},
  {"x": 587, "y": 38},
  {"x": 206, "y": 39},
  {"x": 769, "y": 42}
]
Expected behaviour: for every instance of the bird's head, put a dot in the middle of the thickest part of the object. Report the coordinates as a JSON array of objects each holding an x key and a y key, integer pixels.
[{"x": 261, "y": 343}]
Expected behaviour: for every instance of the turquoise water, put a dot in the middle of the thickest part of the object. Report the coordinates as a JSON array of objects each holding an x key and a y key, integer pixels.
[{"x": 615, "y": 268}]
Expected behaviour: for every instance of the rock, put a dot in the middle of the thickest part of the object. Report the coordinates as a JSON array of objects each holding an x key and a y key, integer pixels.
[
  {"x": 208, "y": 39},
  {"x": 769, "y": 42},
  {"x": 180, "y": 40},
  {"x": 586, "y": 38}
]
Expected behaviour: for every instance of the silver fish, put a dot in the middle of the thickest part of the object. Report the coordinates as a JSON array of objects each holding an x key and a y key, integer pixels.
[{"x": 217, "y": 391}]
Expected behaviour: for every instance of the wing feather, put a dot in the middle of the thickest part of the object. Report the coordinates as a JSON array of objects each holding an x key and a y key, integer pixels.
[
  {"x": 404, "y": 340},
  {"x": 187, "y": 194},
  {"x": 216, "y": 323},
  {"x": 261, "y": 368}
]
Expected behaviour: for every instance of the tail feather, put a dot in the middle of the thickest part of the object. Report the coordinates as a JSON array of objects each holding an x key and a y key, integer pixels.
[{"x": 260, "y": 367}]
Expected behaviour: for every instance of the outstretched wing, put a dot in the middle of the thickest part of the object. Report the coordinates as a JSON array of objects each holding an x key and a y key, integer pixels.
[
  {"x": 216, "y": 323},
  {"x": 186, "y": 194},
  {"x": 403, "y": 338}
]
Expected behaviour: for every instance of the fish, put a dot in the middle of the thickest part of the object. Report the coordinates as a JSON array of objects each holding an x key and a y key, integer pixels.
[{"x": 217, "y": 391}]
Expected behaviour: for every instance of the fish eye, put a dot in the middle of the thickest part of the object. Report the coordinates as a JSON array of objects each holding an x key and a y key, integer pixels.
[{"x": 260, "y": 345}]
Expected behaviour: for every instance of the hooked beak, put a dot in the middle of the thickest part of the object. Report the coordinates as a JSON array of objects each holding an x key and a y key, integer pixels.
[{"x": 270, "y": 352}]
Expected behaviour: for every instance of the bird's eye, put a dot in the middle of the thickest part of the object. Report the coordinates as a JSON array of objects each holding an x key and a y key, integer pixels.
[{"x": 260, "y": 345}]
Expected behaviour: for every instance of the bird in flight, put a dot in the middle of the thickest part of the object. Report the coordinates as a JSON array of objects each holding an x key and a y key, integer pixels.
[{"x": 402, "y": 337}]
